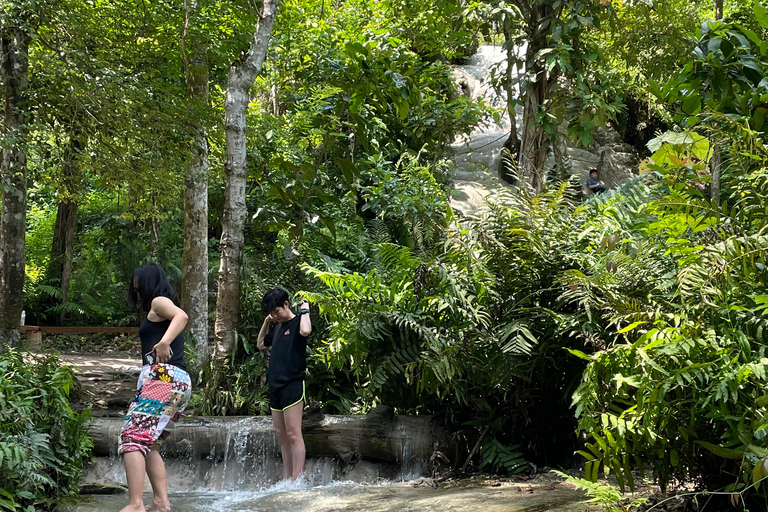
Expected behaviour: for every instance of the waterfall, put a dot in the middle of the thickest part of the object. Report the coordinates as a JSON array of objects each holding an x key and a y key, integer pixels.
[
  {"x": 478, "y": 154},
  {"x": 242, "y": 453}
]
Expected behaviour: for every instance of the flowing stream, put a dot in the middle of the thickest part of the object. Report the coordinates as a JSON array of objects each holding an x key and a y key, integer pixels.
[
  {"x": 234, "y": 464},
  {"x": 392, "y": 497}
]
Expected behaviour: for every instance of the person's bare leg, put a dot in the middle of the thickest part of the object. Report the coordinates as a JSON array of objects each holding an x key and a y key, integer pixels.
[
  {"x": 292, "y": 419},
  {"x": 156, "y": 473},
  {"x": 134, "y": 474},
  {"x": 278, "y": 421}
]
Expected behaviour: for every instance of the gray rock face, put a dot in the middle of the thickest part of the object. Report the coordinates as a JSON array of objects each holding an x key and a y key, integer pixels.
[
  {"x": 478, "y": 155},
  {"x": 615, "y": 160}
]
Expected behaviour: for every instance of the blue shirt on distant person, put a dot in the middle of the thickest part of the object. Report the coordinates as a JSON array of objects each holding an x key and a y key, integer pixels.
[{"x": 594, "y": 184}]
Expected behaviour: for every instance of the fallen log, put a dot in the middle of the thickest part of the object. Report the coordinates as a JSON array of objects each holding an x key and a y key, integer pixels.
[{"x": 376, "y": 437}]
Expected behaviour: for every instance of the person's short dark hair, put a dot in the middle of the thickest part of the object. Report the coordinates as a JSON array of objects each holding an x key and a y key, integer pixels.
[
  {"x": 149, "y": 281},
  {"x": 274, "y": 298},
  {"x": 592, "y": 171}
]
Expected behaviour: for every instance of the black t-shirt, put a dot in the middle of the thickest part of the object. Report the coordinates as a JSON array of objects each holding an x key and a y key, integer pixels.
[
  {"x": 151, "y": 332},
  {"x": 288, "y": 361}
]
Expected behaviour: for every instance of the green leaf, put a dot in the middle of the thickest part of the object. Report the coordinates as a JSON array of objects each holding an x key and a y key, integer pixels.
[
  {"x": 631, "y": 326},
  {"x": 758, "y": 119},
  {"x": 721, "y": 451},
  {"x": 761, "y": 13},
  {"x": 692, "y": 105},
  {"x": 579, "y": 354}
]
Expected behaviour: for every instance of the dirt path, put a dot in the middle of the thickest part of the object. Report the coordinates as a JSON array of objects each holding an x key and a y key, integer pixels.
[{"x": 108, "y": 383}]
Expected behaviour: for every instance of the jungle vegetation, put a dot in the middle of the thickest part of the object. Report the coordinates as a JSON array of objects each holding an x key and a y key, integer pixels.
[{"x": 307, "y": 144}]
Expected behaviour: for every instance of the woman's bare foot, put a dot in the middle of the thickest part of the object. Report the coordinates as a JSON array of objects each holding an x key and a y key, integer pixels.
[
  {"x": 133, "y": 508},
  {"x": 159, "y": 506}
]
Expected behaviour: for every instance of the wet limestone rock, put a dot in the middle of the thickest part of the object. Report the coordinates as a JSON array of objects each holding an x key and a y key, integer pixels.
[{"x": 380, "y": 436}]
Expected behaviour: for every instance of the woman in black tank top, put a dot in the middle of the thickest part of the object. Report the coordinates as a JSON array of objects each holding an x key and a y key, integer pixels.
[{"x": 163, "y": 390}]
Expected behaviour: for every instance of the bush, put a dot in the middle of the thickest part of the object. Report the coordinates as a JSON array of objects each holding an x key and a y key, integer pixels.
[{"x": 43, "y": 442}]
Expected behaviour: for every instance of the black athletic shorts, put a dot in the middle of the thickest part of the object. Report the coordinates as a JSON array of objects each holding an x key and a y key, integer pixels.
[{"x": 286, "y": 396}]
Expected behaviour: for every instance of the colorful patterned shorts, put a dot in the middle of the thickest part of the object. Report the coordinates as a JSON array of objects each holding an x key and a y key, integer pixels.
[{"x": 162, "y": 394}]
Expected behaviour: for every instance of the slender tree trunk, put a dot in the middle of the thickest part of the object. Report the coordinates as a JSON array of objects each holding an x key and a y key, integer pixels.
[
  {"x": 60, "y": 268},
  {"x": 154, "y": 233},
  {"x": 239, "y": 81},
  {"x": 59, "y": 271},
  {"x": 533, "y": 152},
  {"x": 714, "y": 166},
  {"x": 194, "y": 277},
  {"x": 14, "y": 64},
  {"x": 513, "y": 142},
  {"x": 533, "y": 146}
]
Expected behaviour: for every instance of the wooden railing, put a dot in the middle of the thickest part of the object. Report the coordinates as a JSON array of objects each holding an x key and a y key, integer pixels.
[
  {"x": 78, "y": 330},
  {"x": 35, "y": 332}
]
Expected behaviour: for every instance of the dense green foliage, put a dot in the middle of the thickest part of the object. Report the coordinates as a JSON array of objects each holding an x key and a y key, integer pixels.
[
  {"x": 640, "y": 310},
  {"x": 43, "y": 444},
  {"x": 681, "y": 383}
]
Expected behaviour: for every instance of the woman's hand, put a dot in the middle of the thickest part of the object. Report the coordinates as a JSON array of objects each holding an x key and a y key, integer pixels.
[{"x": 162, "y": 352}]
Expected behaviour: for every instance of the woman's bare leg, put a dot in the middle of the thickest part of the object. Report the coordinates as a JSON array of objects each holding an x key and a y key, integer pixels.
[
  {"x": 157, "y": 477},
  {"x": 292, "y": 420},
  {"x": 134, "y": 474},
  {"x": 278, "y": 420}
]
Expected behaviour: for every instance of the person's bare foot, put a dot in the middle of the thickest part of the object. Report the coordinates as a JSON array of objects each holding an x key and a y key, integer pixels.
[
  {"x": 133, "y": 508},
  {"x": 159, "y": 506}
]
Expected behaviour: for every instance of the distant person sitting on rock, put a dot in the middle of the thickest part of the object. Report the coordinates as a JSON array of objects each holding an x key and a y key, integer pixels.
[
  {"x": 287, "y": 367},
  {"x": 163, "y": 389},
  {"x": 594, "y": 184}
]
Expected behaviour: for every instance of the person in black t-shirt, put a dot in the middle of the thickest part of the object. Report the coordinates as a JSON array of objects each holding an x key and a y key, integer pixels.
[{"x": 287, "y": 367}]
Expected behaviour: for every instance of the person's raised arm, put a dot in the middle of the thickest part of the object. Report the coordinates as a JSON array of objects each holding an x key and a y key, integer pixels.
[
  {"x": 263, "y": 332},
  {"x": 164, "y": 308},
  {"x": 305, "y": 324}
]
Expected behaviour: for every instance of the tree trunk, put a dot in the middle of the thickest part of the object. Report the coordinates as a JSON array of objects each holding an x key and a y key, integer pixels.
[
  {"x": 14, "y": 63},
  {"x": 154, "y": 232},
  {"x": 194, "y": 276},
  {"x": 62, "y": 249},
  {"x": 513, "y": 142},
  {"x": 59, "y": 271},
  {"x": 533, "y": 151},
  {"x": 239, "y": 81},
  {"x": 714, "y": 166},
  {"x": 533, "y": 146}
]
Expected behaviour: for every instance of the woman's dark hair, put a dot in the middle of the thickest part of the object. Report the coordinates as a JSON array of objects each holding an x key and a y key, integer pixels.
[
  {"x": 275, "y": 298},
  {"x": 148, "y": 282}
]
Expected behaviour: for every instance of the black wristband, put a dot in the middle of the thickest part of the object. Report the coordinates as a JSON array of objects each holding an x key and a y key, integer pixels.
[{"x": 304, "y": 312}]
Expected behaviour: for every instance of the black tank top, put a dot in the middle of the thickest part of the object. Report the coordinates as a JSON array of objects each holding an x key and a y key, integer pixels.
[{"x": 151, "y": 332}]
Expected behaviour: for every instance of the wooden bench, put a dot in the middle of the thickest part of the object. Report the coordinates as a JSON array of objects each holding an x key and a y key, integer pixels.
[{"x": 35, "y": 332}]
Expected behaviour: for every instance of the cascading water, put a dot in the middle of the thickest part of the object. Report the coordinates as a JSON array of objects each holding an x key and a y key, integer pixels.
[
  {"x": 242, "y": 454},
  {"x": 478, "y": 154},
  {"x": 233, "y": 464}
]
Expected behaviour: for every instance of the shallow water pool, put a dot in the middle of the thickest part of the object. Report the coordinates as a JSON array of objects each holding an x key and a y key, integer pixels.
[{"x": 393, "y": 497}]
